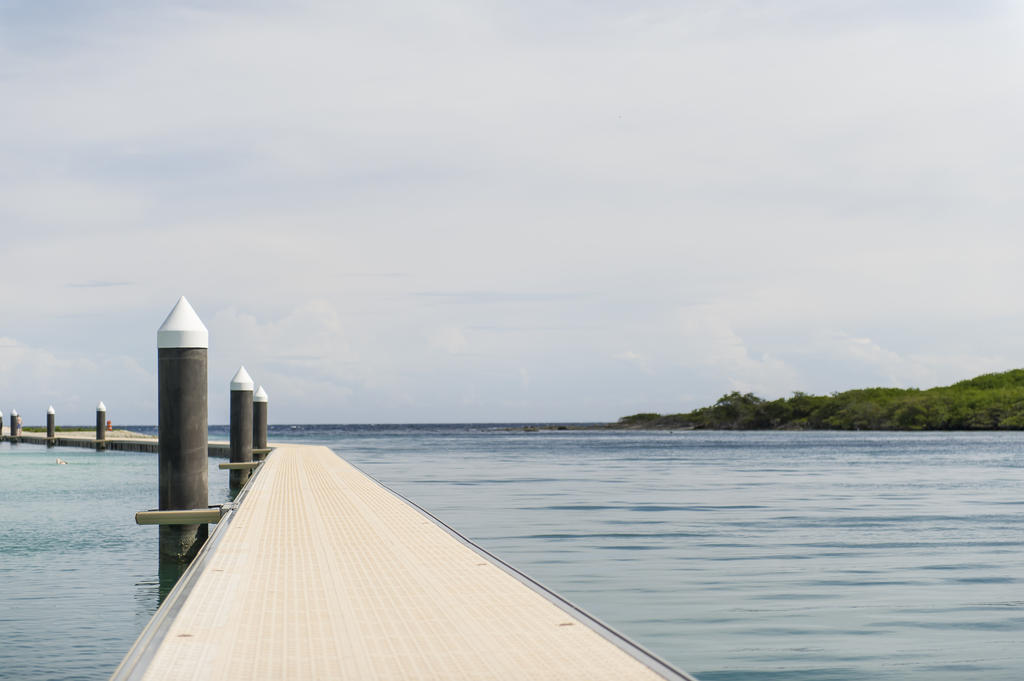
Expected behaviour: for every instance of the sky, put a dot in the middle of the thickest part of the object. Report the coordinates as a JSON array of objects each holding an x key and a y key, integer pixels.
[{"x": 497, "y": 211}]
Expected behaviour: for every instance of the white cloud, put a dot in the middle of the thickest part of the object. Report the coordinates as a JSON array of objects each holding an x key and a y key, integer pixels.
[
  {"x": 882, "y": 366},
  {"x": 577, "y": 173},
  {"x": 71, "y": 204},
  {"x": 707, "y": 340},
  {"x": 35, "y": 378},
  {"x": 450, "y": 340},
  {"x": 898, "y": 371},
  {"x": 303, "y": 353}
]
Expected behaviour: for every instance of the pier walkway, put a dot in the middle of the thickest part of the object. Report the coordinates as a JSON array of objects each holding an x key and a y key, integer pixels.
[{"x": 322, "y": 573}]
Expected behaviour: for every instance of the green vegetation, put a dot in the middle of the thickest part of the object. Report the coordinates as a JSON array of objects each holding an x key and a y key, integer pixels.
[
  {"x": 57, "y": 429},
  {"x": 988, "y": 402}
]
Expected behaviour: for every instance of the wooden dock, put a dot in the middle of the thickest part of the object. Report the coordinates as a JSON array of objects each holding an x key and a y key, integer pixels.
[{"x": 319, "y": 572}]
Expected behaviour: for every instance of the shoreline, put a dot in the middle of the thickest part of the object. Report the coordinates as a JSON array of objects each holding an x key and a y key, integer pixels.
[{"x": 528, "y": 427}]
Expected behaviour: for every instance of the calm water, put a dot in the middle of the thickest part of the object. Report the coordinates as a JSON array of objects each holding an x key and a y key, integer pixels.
[{"x": 808, "y": 556}]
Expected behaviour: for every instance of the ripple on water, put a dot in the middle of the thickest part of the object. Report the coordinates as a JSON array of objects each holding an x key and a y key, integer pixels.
[{"x": 797, "y": 556}]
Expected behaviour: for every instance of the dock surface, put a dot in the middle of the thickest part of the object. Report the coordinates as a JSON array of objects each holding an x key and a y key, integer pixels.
[{"x": 322, "y": 573}]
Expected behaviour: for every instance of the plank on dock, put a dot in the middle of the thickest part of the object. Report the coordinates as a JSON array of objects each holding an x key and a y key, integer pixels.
[{"x": 324, "y": 574}]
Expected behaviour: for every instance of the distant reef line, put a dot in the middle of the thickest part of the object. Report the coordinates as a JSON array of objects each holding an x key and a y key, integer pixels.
[{"x": 989, "y": 402}]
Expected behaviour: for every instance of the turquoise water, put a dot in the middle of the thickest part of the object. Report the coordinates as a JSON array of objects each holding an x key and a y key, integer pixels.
[
  {"x": 809, "y": 556},
  {"x": 78, "y": 578}
]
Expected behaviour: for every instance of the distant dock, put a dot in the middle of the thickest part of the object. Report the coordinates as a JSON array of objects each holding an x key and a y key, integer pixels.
[
  {"x": 320, "y": 572},
  {"x": 132, "y": 442}
]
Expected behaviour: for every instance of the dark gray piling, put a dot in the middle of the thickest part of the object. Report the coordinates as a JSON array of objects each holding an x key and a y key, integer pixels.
[
  {"x": 182, "y": 344},
  {"x": 15, "y": 427},
  {"x": 241, "y": 426},
  {"x": 51, "y": 426},
  {"x": 101, "y": 427},
  {"x": 259, "y": 419}
]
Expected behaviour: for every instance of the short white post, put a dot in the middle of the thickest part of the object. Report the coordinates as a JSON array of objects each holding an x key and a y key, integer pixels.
[
  {"x": 101, "y": 427},
  {"x": 182, "y": 346},
  {"x": 259, "y": 420},
  {"x": 241, "y": 427}
]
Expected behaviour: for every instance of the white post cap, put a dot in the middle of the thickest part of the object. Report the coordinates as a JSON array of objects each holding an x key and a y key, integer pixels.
[
  {"x": 1, "y": 414},
  {"x": 14, "y": 412},
  {"x": 260, "y": 396},
  {"x": 101, "y": 407},
  {"x": 50, "y": 410},
  {"x": 182, "y": 329},
  {"x": 241, "y": 380}
]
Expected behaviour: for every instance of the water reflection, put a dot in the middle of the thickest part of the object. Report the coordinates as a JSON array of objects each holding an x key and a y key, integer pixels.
[
  {"x": 147, "y": 600},
  {"x": 150, "y": 593},
  {"x": 169, "y": 573}
]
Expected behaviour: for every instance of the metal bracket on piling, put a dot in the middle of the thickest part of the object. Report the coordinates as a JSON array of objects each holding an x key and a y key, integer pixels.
[
  {"x": 194, "y": 516},
  {"x": 238, "y": 465}
]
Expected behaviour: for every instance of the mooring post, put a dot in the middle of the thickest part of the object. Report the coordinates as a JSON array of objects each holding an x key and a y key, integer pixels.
[
  {"x": 101, "y": 427},
  {"x": 241, "y": 426},
  {"x": 51, "y": 426},
  {"x": 14, "y": 425},
  {"x": 182, "y": 345},
  {"x": 259, "y": 420},
  {"x": 1, "y": 424}
]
